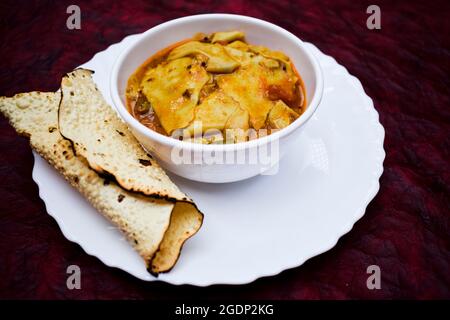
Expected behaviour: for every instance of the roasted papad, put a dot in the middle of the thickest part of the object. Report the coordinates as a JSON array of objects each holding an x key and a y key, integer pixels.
[
  {"x": 104, "y": 140},
  {"x": 156, "y": 226}
]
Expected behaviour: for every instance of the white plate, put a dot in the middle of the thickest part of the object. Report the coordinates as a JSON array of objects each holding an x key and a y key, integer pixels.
[{"x": 261, "y": 226}]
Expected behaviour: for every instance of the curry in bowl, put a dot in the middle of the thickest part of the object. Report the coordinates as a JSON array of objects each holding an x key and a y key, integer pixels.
[{"x": 217, "y": 85}]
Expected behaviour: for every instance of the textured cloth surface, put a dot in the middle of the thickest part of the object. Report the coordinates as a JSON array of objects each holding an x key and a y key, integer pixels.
[{"x": 404, "y": 67}]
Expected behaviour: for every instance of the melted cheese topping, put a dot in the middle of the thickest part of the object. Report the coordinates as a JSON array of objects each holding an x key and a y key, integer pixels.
[
  {"x": 218, "y": 60},
  {"x": 173, "y": 89},
  {"x": 214, "y": 112},
  {"x": 246, "y": 86},
  {"x": 225, "y": 84}
]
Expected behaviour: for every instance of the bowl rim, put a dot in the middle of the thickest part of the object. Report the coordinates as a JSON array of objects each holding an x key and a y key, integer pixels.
[{"x": 190, "y": 146}]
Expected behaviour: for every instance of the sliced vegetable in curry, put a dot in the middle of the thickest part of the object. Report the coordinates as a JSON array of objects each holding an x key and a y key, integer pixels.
[{"x": 216, "y": 83}]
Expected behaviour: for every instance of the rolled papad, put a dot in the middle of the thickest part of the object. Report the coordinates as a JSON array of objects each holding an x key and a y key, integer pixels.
[
  {"x": 104, "y": 140},
  {"x": 157, "y": 228}
]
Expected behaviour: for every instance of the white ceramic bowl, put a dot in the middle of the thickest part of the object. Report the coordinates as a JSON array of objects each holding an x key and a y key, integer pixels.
[{"x": 218, "y": 163}]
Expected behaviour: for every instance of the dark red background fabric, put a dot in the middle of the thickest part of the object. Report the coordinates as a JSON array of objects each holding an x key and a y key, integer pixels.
[{"x": 404, "y": 67}]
